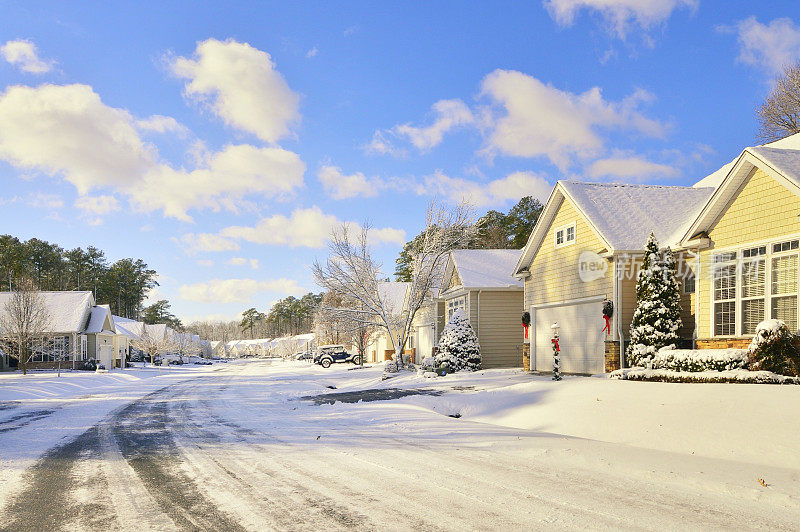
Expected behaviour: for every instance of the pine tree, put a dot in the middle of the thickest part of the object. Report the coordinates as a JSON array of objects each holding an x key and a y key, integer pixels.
[
  {"x": 658, "y": 312},
  {"x": 458, "y": 345}
]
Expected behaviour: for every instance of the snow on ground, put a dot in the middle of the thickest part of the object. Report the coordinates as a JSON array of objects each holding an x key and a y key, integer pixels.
[
  {"x": 41, "y": 410},
  {"x": 526, "y": 452}
]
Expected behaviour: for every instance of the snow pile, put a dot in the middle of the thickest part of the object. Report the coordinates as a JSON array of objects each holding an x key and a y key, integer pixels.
[
  {"x": 732, "y": 376},
  {"x": 458, "y": 346},
  {"x": 695, "y": 360}
]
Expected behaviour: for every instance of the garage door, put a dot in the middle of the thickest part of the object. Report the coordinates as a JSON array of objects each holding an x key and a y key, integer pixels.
[{"x": 581, "y": 337}]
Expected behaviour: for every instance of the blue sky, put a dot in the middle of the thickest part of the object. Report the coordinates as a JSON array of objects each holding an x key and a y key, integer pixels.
[{"x": 221, "y": 143}]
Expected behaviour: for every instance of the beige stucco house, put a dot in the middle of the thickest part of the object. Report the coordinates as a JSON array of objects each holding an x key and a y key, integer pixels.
[
  {"x": 479, "y": 282},
  {"x": 585, "y": 249},
  {"x": 393, "y": 297}
]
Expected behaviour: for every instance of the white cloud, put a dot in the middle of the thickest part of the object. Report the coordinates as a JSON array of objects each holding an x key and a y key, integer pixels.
[
  {"x": 512, "y": 187},
  {"x": 162, "y": 124},
  {"x": 541, "y": 120},
  {"x": 241, "y": 261},
  {"x": 450, "y": 114},
  {"x": 205, "y": 262},
  {"x": 312, "y": 53},
  {"x": 240, "y": 85},
  {"x": 221, "y": 291},
  {"x": 629, "y": 169},
  {"x": 206, "y": 242},
  {"x": 45, "y": 201},
  {"x": 619, "y": 16},
  {"x": 771, "y": 46},
  {"x": 67, "y": 131},
  {"x": 93, "y": 208},
  {"x": 381, "y": 145},
  {"x": 222, "y": 180},
  {"x": 98, "y": 205},
  {"x": 23, "y": 54},
  {"x": 341, "y": 186},
  {"x": 303, "y": 228}
]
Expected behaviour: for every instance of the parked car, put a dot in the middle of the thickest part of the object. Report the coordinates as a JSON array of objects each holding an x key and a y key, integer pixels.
[
  {"x": 303, "y": 356},
  {"x": 328, "y": 356}
]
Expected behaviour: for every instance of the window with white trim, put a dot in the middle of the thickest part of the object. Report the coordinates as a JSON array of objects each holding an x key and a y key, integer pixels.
[
  {"x": 565, "y": 235},
  {"x": 724, "y": 298},
  {"x": 784, "y": 290},
  {"x": 752, "y": 284},
  {"x": 455, "y": 304}
]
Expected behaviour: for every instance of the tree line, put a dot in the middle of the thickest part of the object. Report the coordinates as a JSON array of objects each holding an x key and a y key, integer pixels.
[
  {"x": 493, "y": 230},
  {"x": 122, "y": 284}
]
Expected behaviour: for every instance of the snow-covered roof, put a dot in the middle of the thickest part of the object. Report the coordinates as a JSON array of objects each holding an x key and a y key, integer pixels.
[
  {"x": 97, "y": 319},
  {"x": 790, "y": 143},
  {"x": 393, "y": 295},
  {"x": 625, "y": 214},
  {"x": 68, "y": 310},
  {"x": 785, "y": 161},
  {"x": 486, "y": 268}
]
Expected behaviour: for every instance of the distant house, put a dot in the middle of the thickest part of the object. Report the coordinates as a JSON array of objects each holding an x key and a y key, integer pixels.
[
  {"x": 393, "y": 298},
  {"x": 79, "y": 330},
  {"x": 480, "y": 283}
]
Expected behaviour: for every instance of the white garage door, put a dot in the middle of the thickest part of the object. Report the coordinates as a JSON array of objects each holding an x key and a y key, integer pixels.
[{"x": 581, "y": 337}]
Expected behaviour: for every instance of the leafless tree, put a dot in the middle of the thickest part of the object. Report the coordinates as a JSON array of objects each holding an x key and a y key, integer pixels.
[
  {"x": 779, "y": 115},
  {"x": 352, "y": 273},
  {"x": 24, "y": 320},
  {"x": 153, "y": 343}
]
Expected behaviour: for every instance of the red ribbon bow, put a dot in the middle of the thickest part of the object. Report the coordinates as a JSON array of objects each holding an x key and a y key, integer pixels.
[
  {"x": 524, "y": 326},
  {"x": 555, "y": 343},
  {"x": 607, "y": 327}
]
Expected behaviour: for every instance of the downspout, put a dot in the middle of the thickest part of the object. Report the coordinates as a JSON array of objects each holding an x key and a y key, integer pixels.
[
  {"x": 478, "y": 317},
  {"x": 697, "y": 277},
  {"x": 618, "y": 312}
]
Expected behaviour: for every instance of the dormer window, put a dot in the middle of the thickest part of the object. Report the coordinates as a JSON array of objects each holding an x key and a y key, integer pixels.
[{"x": 565, "y": 235}]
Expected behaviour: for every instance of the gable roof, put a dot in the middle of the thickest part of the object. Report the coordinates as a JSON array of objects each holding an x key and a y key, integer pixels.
[
  {"x": 393, "y": 295},
  {"x": 622, "y": 215},
  {"x": 100, "y": 320},
  {"x": 782, "y": 164},
  {"x": 68, "y": 310},
  {"x": 484, "y": 268}
]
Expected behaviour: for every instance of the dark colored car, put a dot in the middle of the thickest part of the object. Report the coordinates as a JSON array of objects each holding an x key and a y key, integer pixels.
[{"x": 336, "y": 356}]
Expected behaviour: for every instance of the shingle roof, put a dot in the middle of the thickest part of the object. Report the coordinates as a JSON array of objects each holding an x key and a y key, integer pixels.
[
  {"x": 625, "y": 214},
  {"x": 486, "y": 268},
  {"x": 67, "y": 309}
]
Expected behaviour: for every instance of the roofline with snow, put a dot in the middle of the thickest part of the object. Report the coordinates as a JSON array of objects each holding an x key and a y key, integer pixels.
[
  {"x": 728, "y": 188},
  {"x": 557, "y": 196}
]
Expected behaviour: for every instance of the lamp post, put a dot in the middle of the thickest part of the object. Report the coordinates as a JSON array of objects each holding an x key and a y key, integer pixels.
[{"x": 556, "y": 351}]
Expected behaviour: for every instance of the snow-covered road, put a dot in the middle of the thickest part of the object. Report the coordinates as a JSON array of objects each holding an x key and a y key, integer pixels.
[{"x": 239, "y": 448}]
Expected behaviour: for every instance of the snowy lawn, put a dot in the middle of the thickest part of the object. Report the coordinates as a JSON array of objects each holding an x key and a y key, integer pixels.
[{"x": 525, "y": 451}]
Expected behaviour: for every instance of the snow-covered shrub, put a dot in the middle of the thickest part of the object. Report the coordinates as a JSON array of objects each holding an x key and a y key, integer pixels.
[
  {"x": 700, "y": 359},
  {"x": 390, "y": 367},
  {"x": 428, "y": 362},
  {"x": 657, "y": 317},
  {"x": 732, "y": 376},
  {"x": 458, "y": 346},
  {"x": 774, "y": 349}
]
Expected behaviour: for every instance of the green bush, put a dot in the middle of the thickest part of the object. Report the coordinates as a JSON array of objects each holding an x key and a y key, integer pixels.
[{"x": 774, "y": 348}]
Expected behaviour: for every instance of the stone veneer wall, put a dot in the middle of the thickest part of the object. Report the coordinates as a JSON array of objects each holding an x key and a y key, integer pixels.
[{"x": 612, "y": 356}]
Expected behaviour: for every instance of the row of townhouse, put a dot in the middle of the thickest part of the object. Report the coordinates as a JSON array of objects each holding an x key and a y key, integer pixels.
[
  {"x": 282, "y": 346},
  {"x": 735, "y": 233},
  {"x": 79, "y": 330}
]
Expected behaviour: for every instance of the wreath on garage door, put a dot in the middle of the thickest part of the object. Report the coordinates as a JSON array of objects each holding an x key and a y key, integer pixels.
[{"x": 526, "y": 322}]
